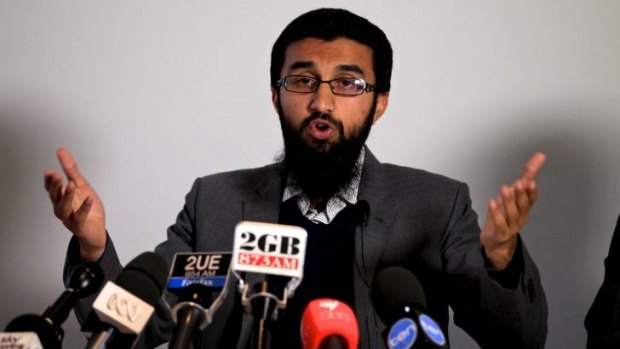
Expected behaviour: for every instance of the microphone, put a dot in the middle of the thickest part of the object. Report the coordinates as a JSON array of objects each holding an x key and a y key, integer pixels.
[
  {"x": 399, "y": 301},
  {"x": 274, "y": 253},
  {"x": 194, "y": 277},
  {"x": 329, "y": 324},
  {"x": 127, "y": 305},
  {"x": 84, "y": 280}
]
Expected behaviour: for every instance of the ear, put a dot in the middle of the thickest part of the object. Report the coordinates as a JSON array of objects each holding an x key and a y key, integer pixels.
[
  {"x": 382, "y": 103},
  {"x": 274, "y": 98}
]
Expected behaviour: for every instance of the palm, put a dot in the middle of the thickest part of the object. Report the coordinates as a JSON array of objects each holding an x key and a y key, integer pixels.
[
  {"x": 508, "y": 213},
  {"x": 94, "y": 221}
]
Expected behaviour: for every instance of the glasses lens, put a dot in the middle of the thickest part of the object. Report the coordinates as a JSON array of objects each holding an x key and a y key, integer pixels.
[
  {"x": 348, "y": 86},
  {"x": 299, "y": 83}
]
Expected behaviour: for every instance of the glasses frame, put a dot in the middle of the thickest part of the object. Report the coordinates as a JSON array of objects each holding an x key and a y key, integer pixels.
[{"x": 367, "y": 87}]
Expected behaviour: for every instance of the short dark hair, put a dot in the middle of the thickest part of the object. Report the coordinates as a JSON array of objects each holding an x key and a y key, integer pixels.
[{"x": 329, "y": 24}]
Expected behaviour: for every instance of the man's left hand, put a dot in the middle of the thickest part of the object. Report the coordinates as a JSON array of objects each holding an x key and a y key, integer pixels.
[{"x": 508, "y": 213}]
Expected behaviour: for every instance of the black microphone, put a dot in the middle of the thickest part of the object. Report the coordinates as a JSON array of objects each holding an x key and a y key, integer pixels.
[
  {"x": 268, "y": 260},
  {"x": 84, "y": 280},
  {"x": 189, "y": 317},
  {"x": 125, "y": 306},
  {"x": 194, "y": 279},
  {"x": 400, "y": 302}
]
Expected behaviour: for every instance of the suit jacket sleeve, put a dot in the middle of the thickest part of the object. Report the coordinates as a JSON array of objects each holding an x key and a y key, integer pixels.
[
  {"x": 159, "y": 328},
  {"x": 495, "y": 316},
  {"x": 109, "y": 263}
]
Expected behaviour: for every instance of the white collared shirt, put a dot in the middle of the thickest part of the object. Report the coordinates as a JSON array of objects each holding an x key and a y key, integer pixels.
[{"x": 335, "y": 204}]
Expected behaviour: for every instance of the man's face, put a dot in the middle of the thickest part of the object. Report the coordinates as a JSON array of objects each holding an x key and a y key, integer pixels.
[
  {"x": 323, "y": 118},
  {"x": 323, "y": 132}
]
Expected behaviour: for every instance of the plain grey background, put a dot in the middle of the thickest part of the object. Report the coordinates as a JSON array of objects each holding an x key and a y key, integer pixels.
[{"x": 149, "y": 95}]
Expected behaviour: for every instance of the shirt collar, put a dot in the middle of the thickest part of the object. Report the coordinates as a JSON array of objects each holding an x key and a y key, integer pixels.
[{"x": 347, "y": 194}]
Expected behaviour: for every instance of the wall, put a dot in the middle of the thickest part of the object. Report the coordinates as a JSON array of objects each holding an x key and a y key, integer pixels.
[{"x": 149, "y": 95}]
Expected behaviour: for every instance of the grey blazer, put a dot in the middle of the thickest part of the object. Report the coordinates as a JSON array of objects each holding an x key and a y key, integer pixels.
[{"x": 418, "y": 220}]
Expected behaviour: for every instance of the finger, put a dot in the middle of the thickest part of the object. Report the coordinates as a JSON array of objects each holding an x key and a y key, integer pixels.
[
  {"x": 56, "y": 188},
  {"x": 532, "y": 192},
  {"x": 65, "y": 207},
  {"x": 523, "y": 202},
  {"x": 498, "y": 219},
  {"x": 496, "y": 212},
  {"x": 48, "y": 177},
  {"x": 521, "y": 196},
  {"x": 532, "y": 166},
  {"x": 510, "y": 206},
  {"x": 82, "y": 212},
  {"x": 499, "y": 205},
  {"x": 69, "y": 166}
]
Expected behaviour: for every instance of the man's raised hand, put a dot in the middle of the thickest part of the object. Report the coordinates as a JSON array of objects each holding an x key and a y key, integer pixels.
[
  {"x": 77, "y": 205},
  {"x": 508, "y": 213}
]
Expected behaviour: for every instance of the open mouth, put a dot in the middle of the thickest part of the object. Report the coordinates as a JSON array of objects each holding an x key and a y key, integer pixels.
[{"x": 321, "y": 129}]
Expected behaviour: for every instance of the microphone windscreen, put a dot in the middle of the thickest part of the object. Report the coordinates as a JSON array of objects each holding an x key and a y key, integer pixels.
[
  {"x": 47, "y": 334},
  {"x": 392, "y": 289},
  {"x": 329, "y": 323},
  {"x": 127, "y": 304},
  {"x": 145, "y": 277},
  {"x": 85, "y": 279}
]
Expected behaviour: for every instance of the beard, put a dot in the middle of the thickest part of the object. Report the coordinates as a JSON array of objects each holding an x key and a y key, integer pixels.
[{"x": 321, "y": 169}]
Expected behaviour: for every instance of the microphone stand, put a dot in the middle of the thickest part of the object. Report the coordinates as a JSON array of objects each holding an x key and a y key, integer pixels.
[
  {"x": 99, "y": 339},
  {"x": 190, "y": 318},
  {"x": 263, "y": 306}
]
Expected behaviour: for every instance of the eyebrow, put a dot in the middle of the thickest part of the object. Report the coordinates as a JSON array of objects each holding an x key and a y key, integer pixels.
[
  {"x": 301, "y": 65},
  {"x": 353, "y": 68}
]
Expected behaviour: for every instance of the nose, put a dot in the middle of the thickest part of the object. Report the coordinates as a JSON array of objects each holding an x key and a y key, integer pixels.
[{"x": 322, "y": 99}]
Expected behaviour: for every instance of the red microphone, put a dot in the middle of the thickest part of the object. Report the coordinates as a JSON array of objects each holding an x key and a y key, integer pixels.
[{"x": 329, "y": 323}]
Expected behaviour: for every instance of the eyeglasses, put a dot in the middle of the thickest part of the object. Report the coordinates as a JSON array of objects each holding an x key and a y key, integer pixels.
[{"x": 340, "y": 86}]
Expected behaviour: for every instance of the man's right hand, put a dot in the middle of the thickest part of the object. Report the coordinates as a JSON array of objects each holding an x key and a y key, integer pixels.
[{"x": 78, "y": 206}]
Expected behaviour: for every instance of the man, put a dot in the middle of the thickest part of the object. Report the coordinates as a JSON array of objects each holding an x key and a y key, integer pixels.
[
  {"x": 603, "y": 319},
  {"x": 330, "y": 80}
]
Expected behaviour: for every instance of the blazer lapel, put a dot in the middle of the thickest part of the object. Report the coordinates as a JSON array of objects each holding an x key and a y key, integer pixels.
[
  {"x": 370, "y": 238},
  {"x": 369, "y": 245},
  {"x": 265, "y": 205}
]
